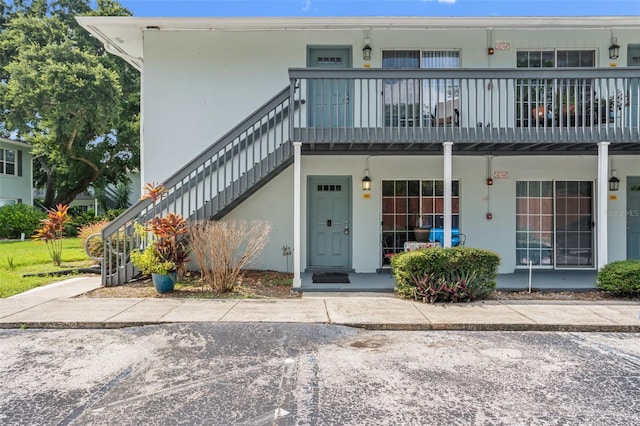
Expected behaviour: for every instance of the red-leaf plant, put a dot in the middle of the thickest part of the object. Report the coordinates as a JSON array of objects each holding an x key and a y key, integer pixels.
[
  {"x": 457, "y": 286},
  {"x": 51, "y": 231},
  {"x": 168, "y": 234}
]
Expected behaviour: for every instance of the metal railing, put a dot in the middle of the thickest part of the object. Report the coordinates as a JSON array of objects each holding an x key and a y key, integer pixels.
[
  {"x": 467, "y": 106},
  {"x": 212, "y": 183}
]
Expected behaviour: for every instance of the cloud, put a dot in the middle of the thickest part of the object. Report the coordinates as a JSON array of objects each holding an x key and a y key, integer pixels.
[
  {"x": 307, "y": 5},
  {"x": 443, "y": 1}
]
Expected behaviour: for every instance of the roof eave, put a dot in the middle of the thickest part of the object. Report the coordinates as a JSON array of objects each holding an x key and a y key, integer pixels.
[{"x": 128, "y": 42}]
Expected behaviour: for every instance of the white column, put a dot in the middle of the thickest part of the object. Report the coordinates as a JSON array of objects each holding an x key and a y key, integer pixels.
[
  {"x": 602, "y": 192},
  {"x": 446, "y": 242},
  {"x": 297, "y": 211}
]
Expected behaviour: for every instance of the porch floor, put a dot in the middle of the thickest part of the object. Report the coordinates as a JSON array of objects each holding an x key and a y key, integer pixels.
[
  {"x": 377, "y": 283},
  {"x": 383, "y": 282},
  {"x": 550, "y": 280}
]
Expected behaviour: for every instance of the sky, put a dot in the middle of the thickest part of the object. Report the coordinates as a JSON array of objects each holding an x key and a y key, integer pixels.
[{"x": 382, "y": 7}]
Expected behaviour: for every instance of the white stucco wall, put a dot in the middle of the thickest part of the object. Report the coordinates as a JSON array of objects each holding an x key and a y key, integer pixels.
[
  {"x": 198, "y": 84},
  {"x": 275, "y": 201}
]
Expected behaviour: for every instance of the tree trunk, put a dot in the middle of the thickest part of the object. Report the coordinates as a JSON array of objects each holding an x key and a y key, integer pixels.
[
  {"x": 68, "y": 196},
  {"x": 50, "y": 192}
]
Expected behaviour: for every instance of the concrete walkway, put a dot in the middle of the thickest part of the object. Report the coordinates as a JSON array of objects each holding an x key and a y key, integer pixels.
[{"x": 54, "y": 306}]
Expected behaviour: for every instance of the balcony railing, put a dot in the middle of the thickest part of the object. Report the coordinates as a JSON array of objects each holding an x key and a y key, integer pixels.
[{"x": 466, "y": 106}]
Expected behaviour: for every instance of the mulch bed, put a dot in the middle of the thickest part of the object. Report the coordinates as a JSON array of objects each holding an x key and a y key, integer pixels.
[
  {"x": 252, "y": 285},
  {"x": 277, "y": 285}
]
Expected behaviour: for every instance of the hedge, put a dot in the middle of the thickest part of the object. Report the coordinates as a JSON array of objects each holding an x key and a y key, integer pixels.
[
  {"x": 16, "y": 219},
  {"x": 445, "y": 263},
  {"x": 621, "y": 277}
]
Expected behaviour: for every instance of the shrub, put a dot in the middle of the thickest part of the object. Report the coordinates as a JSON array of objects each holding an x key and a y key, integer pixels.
[
  {"x": 467, "y": 272},
  {"x": 452, "y": 287},
  {"x": 417, "y": 263},
  {"x": 18, "y": 218},
  {"x": 622, "y": 277},
  {"x": 78, "y": 219},
  {"x": 113, "y": 213},
  {"x": 166, "y": 238},
  {"x": 150, "y": 262},
  {"x": 484, "y": 262},
  {"x": 95, "y": 248},
  {"x": 223, "y": 249}
]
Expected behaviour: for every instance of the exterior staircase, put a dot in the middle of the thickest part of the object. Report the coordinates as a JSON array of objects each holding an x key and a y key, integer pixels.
[{"x": 212, "y": 184}]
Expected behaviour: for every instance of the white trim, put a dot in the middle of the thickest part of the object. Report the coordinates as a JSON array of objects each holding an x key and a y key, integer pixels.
[
  {"x": 22, "y": 144},
  {"x": 297, "y": 213},
  {"x": 358, "y": 22},
  {"x": 122, "y": 35},
  {"x": 602, "y": 195}
]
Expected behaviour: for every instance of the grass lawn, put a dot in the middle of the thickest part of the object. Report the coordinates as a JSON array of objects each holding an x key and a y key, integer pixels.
[{"x": 26, "y": 257}]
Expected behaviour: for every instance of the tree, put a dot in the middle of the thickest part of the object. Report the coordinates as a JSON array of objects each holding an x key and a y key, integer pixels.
[{"x": 61, "y": 91}]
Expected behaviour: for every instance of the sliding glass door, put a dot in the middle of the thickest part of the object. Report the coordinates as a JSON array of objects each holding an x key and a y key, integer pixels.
[
  {"x": 554, "y": 224},
  {"x": 420, "y": 102}
]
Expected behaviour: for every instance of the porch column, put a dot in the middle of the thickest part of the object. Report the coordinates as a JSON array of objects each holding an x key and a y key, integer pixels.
[
  {"x": 448, "y": 146},
  {"x": 602, "y": 239},
  {"x": 297, "y": 173}
]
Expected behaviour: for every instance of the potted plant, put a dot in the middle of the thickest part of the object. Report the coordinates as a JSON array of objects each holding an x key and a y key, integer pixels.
[
  {"x": 422, "y": 229},
  {"x": 165, "y": 254}
]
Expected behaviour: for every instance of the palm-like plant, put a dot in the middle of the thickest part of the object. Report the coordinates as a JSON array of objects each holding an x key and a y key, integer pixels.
[{"x": 166, "y": 237}]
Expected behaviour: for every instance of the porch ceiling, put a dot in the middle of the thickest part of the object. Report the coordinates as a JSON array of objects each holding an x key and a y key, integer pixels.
[{"x": 482, "y": 148}]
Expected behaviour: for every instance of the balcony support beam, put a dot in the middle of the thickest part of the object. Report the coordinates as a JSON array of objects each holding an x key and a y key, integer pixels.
[
  {"x": 602, "y": 194},
  {"x": 297, "y": 212},
  {"x": 448, "y": 149}
]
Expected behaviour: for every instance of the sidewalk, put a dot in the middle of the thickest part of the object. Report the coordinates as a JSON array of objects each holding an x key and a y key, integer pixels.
[{"x": 54, "y": 306}]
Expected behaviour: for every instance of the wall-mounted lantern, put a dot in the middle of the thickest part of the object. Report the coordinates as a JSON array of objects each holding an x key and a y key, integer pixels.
[
  {"x": 366, "y": 52},
  {"x": 614, "y": 182},
  {"x": 614, "y": 49}
]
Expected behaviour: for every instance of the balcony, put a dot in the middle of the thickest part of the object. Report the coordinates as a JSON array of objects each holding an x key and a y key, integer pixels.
[{"x": 480, "y": 110}]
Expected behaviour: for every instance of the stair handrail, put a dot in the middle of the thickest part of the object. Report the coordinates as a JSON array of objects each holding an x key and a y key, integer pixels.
[{"x": 132, "y": 212}]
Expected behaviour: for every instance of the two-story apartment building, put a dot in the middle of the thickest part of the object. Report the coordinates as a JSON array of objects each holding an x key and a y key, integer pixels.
[
  {"x": 16, "y": 174},
  {"x": 352, "y": 135}
]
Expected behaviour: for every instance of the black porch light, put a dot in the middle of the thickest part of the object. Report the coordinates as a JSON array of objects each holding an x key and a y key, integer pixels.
[
  {"x": 614, "y": 183},
  {"x": 366, "y": 52},
  {"x": 614, "y": 50},
  {"x": 366, "y": 182}
]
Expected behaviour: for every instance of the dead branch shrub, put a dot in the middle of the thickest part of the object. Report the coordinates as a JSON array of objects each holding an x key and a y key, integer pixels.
[
  {"x": 95, "y": 246},
  {"x": 223, "y": 249}
]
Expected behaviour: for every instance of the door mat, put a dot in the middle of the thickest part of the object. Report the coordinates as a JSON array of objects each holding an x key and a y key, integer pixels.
[{"x": 330, "y": 277}]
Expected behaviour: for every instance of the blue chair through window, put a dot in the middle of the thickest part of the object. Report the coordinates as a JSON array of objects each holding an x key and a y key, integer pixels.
[{"x": 437, "y": 235}]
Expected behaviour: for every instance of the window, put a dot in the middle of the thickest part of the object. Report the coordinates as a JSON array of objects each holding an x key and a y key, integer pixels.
[
  {"x": 534, "y": 223},
  {"x": 7, "y": 201},
  {"x": 7, "y": 161},
  {"x": 557, "y": 102},
  {"x": 411, "y": 204},
  {"x": 556, "y": 58},
  {"x": 554, "y": 223},
  {"x": 574, "y": 223},
  {"x": 416, "y": 102}
]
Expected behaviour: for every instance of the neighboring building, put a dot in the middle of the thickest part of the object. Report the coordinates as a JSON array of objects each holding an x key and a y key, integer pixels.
[
  {"x": 507, "y": 130},
  {"x": 16, "y": 172},
  {"x": 89, "y": 201},
  {"x": 84, "y": 201}
]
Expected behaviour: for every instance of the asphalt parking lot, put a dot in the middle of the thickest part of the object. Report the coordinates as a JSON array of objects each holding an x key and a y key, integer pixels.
[{"x": 254, "y": 374}]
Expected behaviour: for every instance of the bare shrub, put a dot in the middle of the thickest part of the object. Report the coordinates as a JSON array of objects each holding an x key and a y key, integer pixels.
[
  {"x": 223, "y": 249},
  {"x": 95, "y": 246}
]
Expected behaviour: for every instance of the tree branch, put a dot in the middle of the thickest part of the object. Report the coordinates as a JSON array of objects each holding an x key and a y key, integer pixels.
[{"x": 92, "y": 166}]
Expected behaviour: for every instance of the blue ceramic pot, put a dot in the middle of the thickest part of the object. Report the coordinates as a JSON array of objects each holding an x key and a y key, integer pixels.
[{"x": 164, "y": 283}]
